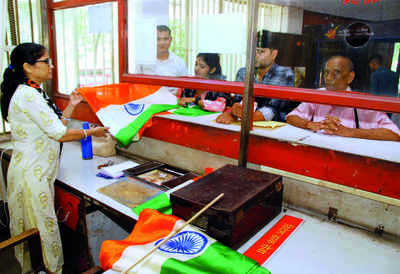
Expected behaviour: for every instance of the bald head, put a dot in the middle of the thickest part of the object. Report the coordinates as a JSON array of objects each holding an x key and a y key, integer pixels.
[
  {"x": 347, "y": 60},
  {"x": 338, "y": 73}
]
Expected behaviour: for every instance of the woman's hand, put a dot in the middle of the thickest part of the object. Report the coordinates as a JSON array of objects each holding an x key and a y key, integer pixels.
[
  {"x": 75, "y": 98},
  {"x": 201, "y": 104},
  {"x": 185, "y": 101},
  {"x": 99, "y": 131}
]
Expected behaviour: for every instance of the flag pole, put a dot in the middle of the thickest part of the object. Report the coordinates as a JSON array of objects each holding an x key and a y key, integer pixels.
[{"x": 176, "y": 231}]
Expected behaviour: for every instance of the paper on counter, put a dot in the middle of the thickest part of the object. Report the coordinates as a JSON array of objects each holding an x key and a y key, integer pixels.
[
  {"x": 116, "y": 171},
  {"x": 264, "y": 124}
]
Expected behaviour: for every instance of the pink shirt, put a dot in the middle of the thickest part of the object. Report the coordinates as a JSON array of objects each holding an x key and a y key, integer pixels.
[{"x": 368, "y": 119}]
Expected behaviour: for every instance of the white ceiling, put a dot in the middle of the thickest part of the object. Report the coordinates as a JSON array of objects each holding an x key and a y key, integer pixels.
[{"x": 381, "y": 10}]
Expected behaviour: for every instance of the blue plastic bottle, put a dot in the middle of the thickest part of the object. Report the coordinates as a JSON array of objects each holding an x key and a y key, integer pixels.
[{"x": 86, "y": 144}]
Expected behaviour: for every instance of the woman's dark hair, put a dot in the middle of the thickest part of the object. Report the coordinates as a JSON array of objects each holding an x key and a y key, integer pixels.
[
  {"x": 14, "y": 74},
  {"x": 212, "y": 60}
]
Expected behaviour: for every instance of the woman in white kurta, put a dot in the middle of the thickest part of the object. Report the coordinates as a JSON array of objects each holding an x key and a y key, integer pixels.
[{"x": 37, "y": 128}]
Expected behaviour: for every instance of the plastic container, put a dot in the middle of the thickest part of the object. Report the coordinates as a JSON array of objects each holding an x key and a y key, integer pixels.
[{"x": 86, "y": 144}]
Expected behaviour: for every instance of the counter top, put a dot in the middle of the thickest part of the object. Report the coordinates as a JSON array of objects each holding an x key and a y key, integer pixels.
[
  {"x": 316, "y": 240},
  {"x": 383, "y": 150},
  {"x": 80, "y": 175},
  {"x": 311, "y": 247}
]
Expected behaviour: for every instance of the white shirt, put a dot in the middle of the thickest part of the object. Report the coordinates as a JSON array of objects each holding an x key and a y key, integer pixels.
[{"x": 173, "y": 66}]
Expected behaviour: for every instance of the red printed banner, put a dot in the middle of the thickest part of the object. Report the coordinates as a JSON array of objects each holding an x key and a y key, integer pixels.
[
  {"x": 272, "y": 240},
  {"x": 356, "y": 2}
]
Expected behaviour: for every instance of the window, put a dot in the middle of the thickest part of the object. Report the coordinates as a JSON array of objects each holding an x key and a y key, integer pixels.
[
  {"x": 308, "y": 34},
  {"x": 22, "y": 25},
  {"x": 309, "y": 31},
  {"x": 184, "y": 18},
  {"x": 86, "y": 46},
  {"x": 395, "y": 59}
]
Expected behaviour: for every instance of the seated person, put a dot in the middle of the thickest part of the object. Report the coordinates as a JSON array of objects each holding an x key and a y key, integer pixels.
[
  {"x": 383, "y": 80},
  {"x": 268, "y": 73},
  {"x": 343, "y": 121},
  {"x": 167, "y": 62},
  {"x": 207, "y": 66}
]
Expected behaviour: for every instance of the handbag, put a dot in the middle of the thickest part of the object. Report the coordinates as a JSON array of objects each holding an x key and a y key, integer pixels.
[{"x": 4, "y": 221}]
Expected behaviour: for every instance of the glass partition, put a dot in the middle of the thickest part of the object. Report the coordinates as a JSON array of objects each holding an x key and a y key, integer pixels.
[
  {"x": 295, "y": 43},
  {"x": 164, "y": 38},
  {"x": 204, "y": 26},
  {"x": 196, "y": 26},
  {"x": 306, "y": 33}
]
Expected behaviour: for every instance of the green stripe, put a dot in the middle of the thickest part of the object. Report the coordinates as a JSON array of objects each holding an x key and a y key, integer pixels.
[
  {"x": 125, "y": 135},
  {"x": 216, "y": 259},
  {"x": 160, "y": 202},
  {"x": 192, "y": 111}
]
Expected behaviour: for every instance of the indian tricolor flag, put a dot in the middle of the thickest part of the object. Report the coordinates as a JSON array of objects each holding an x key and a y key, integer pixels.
[
  {"x": 126, "y": 108},
  {"x": 190, "y": 251}
]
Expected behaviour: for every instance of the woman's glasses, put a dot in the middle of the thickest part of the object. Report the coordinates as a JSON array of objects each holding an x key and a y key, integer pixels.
[{"x": 46, "y": 61}]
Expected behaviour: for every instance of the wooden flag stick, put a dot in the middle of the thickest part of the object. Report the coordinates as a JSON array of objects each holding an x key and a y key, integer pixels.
[{"x": 174, "y": 232}]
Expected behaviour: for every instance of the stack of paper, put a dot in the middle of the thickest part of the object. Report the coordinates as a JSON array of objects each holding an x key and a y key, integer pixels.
[{"x": 116, "y": 171}]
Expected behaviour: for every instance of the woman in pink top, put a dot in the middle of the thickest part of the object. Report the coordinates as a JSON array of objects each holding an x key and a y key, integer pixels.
[
  {"x": 343, "y": 121},
  {"x": 207, "y": 66}
]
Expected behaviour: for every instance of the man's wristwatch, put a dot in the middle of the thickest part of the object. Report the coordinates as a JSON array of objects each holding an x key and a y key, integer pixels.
[{"x": 196, "y": 100}]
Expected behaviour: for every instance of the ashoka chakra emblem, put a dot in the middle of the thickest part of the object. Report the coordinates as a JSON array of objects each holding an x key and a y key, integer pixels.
[
  {"x": 134, "y": 109},
  {"x": 186, "y": 242}
]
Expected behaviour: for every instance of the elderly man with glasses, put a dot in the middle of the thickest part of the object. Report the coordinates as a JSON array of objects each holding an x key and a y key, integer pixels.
[{"x": 343, "y": 121}]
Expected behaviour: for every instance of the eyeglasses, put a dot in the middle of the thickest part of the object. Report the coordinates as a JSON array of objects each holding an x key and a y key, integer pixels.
[{"x": 46, "y": 61}]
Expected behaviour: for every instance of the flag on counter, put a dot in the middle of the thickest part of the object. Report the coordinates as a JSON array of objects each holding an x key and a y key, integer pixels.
[
  {"x": 160, "y": 203},
  {"x": 127, "y": 108},
  {"x": 190, "y": 251}
]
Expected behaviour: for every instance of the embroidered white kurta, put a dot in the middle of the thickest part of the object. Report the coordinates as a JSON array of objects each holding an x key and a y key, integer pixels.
[{"x": 35, "y": 129}]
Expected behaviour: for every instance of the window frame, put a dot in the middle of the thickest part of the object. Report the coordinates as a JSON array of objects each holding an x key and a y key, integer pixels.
[
  {"x": 348, "y": 99},
  {"x": 83, "y": 111}
]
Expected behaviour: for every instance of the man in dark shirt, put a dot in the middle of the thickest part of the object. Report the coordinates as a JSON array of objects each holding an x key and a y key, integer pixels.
[
  {"x": 268, "y": 73},
  {"x": 383, "y": 80}
]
